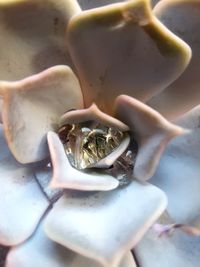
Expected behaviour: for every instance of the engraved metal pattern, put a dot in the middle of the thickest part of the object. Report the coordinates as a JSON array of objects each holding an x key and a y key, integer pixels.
[{"x": 88, "y": 143}]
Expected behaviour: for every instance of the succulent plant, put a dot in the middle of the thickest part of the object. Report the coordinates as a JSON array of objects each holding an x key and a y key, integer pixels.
[{"x": 99, "y": 137}]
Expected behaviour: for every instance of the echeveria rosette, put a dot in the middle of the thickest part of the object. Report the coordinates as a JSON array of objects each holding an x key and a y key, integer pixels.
[{"x": 150, "y": 59}]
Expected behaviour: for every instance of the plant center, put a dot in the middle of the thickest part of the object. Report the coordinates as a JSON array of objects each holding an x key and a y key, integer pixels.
[{"x": 86, "y": 144}]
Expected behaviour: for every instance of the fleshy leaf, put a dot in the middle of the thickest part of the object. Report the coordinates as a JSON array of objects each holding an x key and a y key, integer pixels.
[
  {"x": 123, "y": 49},
  {"x": 178, "y": 250},
  {"x": 183, "y": 18},
  {"x": 33, "y": 106},
  {"x": 178, "y": 173},
  {"x": 92, "y": 114},
  {"x": 22, "y": 203},
  {"x": 169, "y": 229},
  {"x": 151, "y": 131},
  {"x": 43, "y": 175},
  {"x": 41, "y": 251},
  {"x": 33, "y": 36},
  {"x": 1, "y": 106},
  {"x": 90, "y": 223},
  {"x": 65, "y": 176}
]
